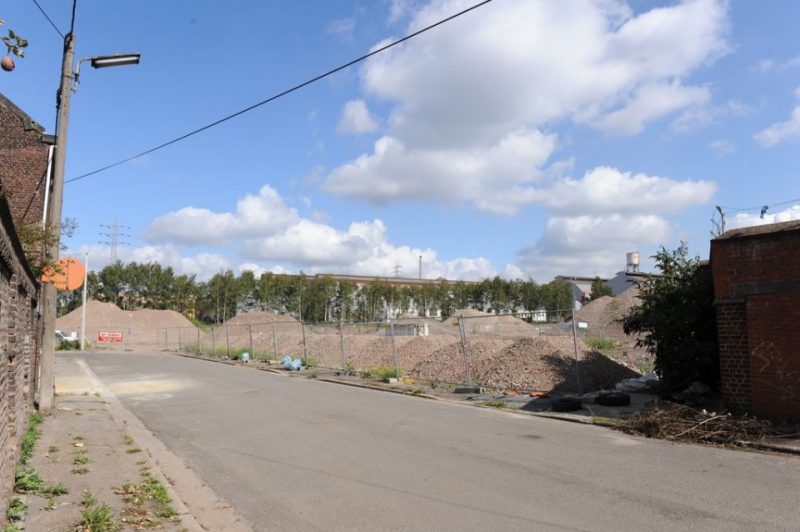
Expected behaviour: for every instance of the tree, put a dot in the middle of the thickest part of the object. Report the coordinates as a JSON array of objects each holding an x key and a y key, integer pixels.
[
  {"x": 676, "y": 320},
  {"x": 14, "y": 44},
  {"x": 599, "y": 289}
]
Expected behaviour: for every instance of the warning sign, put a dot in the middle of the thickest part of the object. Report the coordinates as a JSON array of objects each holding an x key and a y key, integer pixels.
[{"x": 109, "y": 337}]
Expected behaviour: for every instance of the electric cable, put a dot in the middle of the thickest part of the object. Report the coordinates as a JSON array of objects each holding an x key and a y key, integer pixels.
[
  {"x": 49, "y": 19},
  {"x": 280, "y": 94}
]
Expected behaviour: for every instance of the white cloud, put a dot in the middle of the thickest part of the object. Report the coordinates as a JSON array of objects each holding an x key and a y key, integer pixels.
[
  {"x": 343, "y": 28},
  {"x": 650, "y": 102},
  {"x": 608, "y": 190},
  {"x": 722, "y": 147},
  {"x": 590, "y": 245},
  {"x": 780, "y": 132},
  {"x": 495, "y": 178},
  {"x": 702, "y": 116},
  {"x": 748, "y": 219},
  {"x": 584, "y": 61},
  {"x": 767, "y": 65},
  {"x": 356, "y": 118},
  {"x": 260, "y": 214}
]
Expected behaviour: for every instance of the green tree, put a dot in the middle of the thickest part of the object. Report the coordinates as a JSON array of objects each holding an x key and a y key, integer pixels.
[
  {"x": 676, "y": 320},
  {"x": 599, "y": 288}
]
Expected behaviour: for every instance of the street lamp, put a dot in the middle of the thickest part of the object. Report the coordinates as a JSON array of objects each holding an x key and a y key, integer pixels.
[{"x": 69, "y": 84}]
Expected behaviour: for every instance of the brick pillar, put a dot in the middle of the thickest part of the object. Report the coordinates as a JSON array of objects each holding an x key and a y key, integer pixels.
[{"x": 734, "y": 354}]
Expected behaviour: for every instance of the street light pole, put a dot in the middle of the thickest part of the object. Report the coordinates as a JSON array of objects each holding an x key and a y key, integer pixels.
[{"x": 47, "y": 381}]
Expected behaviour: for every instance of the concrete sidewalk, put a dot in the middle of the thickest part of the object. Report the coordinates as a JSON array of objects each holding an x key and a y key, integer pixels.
[{"x": 85, "y": 448}]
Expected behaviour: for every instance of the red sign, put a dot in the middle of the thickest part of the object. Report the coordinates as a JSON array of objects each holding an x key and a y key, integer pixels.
[{"x": 109, "y": 337}]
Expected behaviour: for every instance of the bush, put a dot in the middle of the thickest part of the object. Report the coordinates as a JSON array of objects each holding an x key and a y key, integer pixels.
[
  {"x": 599, "y": 344},
  {"x": 677, "y": 320},
  {"x": 64, "y": 344},
  {"x": 384, "y": 373}
]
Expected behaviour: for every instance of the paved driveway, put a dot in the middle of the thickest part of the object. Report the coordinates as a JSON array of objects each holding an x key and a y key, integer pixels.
[{"x": 297, "y": 454}]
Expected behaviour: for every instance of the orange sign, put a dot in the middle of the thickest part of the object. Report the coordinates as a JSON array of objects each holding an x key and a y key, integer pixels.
[
  {"x": 67, "y": 274},
  {"x": 105, "y": 337}
]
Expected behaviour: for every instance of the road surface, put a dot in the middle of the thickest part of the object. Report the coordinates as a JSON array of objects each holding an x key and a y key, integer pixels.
[{"x": 298, "y": 454}]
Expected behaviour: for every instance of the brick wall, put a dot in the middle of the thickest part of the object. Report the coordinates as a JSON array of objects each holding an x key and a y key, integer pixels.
[
  {"x": 23, "y": 162},
  {"x": 757, "y": 289},
  {"x": 20, "y": 331}
]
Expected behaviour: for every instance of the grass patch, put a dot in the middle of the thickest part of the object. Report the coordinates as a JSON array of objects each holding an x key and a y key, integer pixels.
[
  {"x": 383, "y": 373},
  {"x": 133, "y": 450},
  {"x": 58, "y": 489},
  {"x": 494, "y": 404},
  {"x": 311, "y": 362},
  {"x": 80, "y": 470},
  {"x": 16, "y": 510},
  {"x": 88, "y": 499},
  {"x": 127, "y": 439},
  {"x": 51, "y": 503},
  {"x": 52, "y": 449},
  {"x": 599, "y": 344},
  {"x": 31, "y": 437},
  {"x": 97, "y": 519},
  {"x": 27, "y": 480},
  {"x": 81, "y": 458},
  {"x": 149, "y": 490}
]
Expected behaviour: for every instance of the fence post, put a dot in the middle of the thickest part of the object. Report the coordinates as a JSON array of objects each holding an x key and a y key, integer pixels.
[
  {"x": 228, "y": 341},
  {"x": 461, "y": 327},
  {"x": 250, "y": 332},
  {"x": 213, "y": 342},
  {"x": 274, "y": 343},
  {"x": 305, "y": 348},
  {"x": 577, "y": 357},
  {"x": 341, "y": 346},
  {"x": 166, "y": 339},
  {"x": 199, "y": 347},
  {"x": 394, "y": 354},
  {"x": 180, "y": 346}
]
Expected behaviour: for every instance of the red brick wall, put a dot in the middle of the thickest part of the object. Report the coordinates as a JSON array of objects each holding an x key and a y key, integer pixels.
[
  {"x": 757, "y": 288},
  {"x": 23, "y": 163}
]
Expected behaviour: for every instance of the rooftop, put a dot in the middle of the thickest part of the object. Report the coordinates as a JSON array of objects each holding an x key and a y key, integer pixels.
[{"x": 765, "y": 229}]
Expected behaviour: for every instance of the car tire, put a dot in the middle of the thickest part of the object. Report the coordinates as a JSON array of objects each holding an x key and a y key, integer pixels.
[
  {"x": 566, "y": 404},
  {"x": 613, "y": 399}
]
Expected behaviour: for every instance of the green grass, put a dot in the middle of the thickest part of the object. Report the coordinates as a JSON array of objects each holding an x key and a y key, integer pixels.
[
  {"x": 27, "y": 480},
  {"x": 81, "y": 458},
  {"x": 127, "y": 439},
  {"x": 80, "y": 470},
  {"x": 494, "y": 404},
  {"x": 88, "y": 499},
  {"x": 16, "y": 510},
  {"x": 599, "y": 344},
  {"x": 30, "y": 438},
  {"x": 58, "y": 489},
  {"x": 97, "y": 519},
  {"x": 52, "y": 449},
  {"x": 311, "y": 362},
  {"x": 133, "y": 450},
  {"x": 383, "y": 373}
]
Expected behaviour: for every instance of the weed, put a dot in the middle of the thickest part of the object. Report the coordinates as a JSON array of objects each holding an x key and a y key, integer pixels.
[
  {"x": 52, "y": 449},
  {"x": 97, "y": 519},
  {"x": 58, "y": 489},
  {"x": 599, "y": 344},
  {"x": 133, "y": 450},
  {"x": 51, "y": 503},
  {"x": 494, "y": 404},
  {"x": 78, "y": 413},
  {"x": 417, "y": 391},
  {"x": 313, "y": 375},
  {"x": 141, "y": 462},
  {"x": 27, "y": 481},
  {"x": 88, "y": 499},
  {"x": 77, "y": 437},
  {"x": 80, "y": 470},
  {"x": 16, "y": 510},
  {"x": 383, "y": 373},
  {"x": 127, "y": 439},
  {"x": 85, "y": 393},
  {"x": 310, "y": 362},
  {"x": 150, "y": 489},
  {"x": 97, "y": 394},
  {"x": 30, "y": 438},
  {"x": 81, "y": 458},
  {"x": 349, "y": 367},
  {"x": 11, "y": 528}
]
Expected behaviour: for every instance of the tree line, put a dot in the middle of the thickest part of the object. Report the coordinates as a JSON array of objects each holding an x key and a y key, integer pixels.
[{"x": 136, "y": 286}]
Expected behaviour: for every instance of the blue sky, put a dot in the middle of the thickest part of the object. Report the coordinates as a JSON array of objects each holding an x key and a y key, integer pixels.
[{"x": 527, "y": 139}]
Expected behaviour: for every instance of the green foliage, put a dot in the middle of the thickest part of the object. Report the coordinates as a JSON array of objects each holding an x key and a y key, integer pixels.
[
  {"x": 16, "y": 510},
  {"x": 599, "y": 344},
  {"x": 310, "y": 362},
  {"x": 383, "y": 373},
  {"x": 676, "y": 320},
  {"x": 599, "y": 289},
  {"x": 30, "y": 438},
  {"x": 65, "y": 344},
  {"x": 494, "y": 404},
  {"x": 14, "y": 43},
  {"x": 27, "y": 480},
  {"x": 97, "y": 519}
]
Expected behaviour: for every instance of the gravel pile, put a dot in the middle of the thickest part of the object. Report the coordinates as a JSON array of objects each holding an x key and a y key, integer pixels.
[{"x": 140, "y": 328}]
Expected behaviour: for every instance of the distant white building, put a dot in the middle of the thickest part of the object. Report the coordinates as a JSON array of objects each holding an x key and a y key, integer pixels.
[{"x": 582, "y": 286}]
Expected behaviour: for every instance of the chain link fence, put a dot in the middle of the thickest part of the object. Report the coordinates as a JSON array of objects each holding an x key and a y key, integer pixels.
[{"x": 529, "y": 351}]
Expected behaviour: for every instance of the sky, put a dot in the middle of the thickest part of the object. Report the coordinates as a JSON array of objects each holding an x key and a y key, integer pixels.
[{"x": 526, "y": 139}]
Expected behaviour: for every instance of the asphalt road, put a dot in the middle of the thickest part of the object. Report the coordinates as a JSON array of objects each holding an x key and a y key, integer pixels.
[{"x": 298, "y": 454}]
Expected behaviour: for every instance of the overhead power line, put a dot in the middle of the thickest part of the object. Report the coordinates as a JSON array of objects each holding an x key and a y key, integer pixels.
[
  {"x": 280, "y": 94},
  {"x": 49, "y": 19},
  {"x": 758, "y": 208}
]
